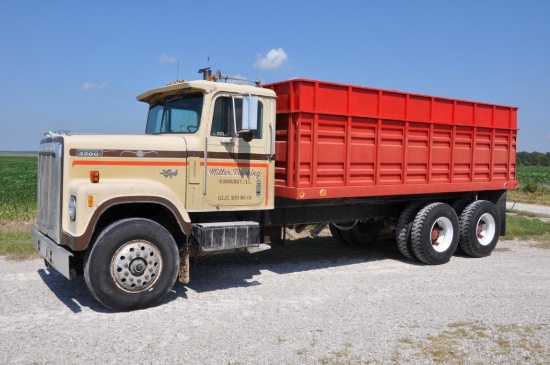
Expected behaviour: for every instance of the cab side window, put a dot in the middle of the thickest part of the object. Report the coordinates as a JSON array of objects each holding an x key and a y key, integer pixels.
[{"x": 223, "y": 116}]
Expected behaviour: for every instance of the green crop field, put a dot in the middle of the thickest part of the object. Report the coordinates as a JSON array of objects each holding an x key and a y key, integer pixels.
[
  {"x": 17, "y": 204},
  {"x": 534, "y": 174},
  {"x": 534, "y": 185},
  {"x": 18, "y": 187},
  {"x": 18, "y": 198}
]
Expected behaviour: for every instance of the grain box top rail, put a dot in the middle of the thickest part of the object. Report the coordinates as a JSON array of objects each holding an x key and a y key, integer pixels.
[{"x": 321, "y": 97}]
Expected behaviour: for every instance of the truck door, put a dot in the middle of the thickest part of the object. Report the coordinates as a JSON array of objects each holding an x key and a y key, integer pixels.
[{"x": 237, "y": 164}]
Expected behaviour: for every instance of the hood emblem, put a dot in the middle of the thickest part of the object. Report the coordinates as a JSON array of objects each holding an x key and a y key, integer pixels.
[
  {"x": 169, "y": 173},
  {"x": 139, "y": 154}
]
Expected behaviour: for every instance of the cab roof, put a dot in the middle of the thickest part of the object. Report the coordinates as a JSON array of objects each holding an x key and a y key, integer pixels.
[{"x": 202, "y": 86}]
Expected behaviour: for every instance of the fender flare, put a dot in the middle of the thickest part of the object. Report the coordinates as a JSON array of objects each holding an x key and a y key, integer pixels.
[{"x": 80, "y": 243}]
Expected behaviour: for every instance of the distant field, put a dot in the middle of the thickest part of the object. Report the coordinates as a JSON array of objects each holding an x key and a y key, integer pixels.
[
  {"x": 534, "y": 185},
  {"x": 18, "y": 154},
  {"x": 18, "y": 199},
  {"x": 17, "y": 203},
  {"x": 534, "y": 174},
  {"x": 18, "y": 187}
]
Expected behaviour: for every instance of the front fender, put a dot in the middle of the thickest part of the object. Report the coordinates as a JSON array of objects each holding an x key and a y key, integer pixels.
[{"x": 92, "y": 200}]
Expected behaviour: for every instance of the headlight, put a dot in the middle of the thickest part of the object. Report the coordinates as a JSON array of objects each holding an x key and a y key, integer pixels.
[{"x": 72, "y": 208}]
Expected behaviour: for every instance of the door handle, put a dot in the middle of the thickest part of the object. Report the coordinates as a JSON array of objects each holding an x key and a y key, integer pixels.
[{"x": 272, "y": 141}]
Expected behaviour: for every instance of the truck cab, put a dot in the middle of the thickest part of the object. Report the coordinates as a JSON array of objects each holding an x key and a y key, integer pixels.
[
  {"x": 229, "y": 133},
  {"x": 193, "y": 181}
]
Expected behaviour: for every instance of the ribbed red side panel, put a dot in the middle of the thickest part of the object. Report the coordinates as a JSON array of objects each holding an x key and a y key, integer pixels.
[{"x": 335, "y": 140}]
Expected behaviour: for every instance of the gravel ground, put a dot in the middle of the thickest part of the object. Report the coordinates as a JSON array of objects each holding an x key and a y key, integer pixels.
[
  {"x": 310, "y": 302},
  {"x": 538, "y": 209}
]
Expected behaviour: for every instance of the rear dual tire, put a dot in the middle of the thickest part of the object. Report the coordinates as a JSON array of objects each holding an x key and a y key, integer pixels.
[
  {"x": 434, "y": 234},
  {"x": 403, "y": 230},
  {"x": 479, "y": 228}
]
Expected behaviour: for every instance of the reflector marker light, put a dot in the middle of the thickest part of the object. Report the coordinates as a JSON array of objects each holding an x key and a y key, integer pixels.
[
  {"x": 94, "y": 176},
  {"x": 90, "y": 201}
]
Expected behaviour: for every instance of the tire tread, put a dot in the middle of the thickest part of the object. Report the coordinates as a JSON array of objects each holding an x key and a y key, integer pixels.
[{"x": 403, "y": 230}]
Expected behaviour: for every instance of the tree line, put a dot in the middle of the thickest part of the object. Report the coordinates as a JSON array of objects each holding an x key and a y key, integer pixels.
[{"x": 533, "y": 159}]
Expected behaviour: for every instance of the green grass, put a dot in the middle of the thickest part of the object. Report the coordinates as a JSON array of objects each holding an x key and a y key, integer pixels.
[
  {"x": 15, "y": 240},
  {"x": 518, "y": 226}
]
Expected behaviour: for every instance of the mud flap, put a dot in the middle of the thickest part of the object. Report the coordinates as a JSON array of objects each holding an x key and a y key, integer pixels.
[{"x": 183, "y": 271}]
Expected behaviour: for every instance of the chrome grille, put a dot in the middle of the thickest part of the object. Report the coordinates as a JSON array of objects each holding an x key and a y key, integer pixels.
[{"x": 50, "y": 161}]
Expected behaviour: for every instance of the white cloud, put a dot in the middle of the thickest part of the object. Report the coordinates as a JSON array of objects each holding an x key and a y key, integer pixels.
[
  {"x": 167, "y": 58},
  {"x": 93, "y": 86},
  {"x": 274, "y": 59}
]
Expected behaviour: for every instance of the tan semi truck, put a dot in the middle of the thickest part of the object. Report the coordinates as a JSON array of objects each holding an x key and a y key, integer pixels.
[{"x": 225, "y": 166}]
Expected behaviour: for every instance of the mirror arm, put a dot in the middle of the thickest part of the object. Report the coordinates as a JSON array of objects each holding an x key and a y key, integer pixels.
[{"x": 234, "y": 124}]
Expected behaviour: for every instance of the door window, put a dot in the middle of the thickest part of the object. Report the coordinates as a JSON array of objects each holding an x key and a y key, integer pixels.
[{"x": 224, "y": 115}]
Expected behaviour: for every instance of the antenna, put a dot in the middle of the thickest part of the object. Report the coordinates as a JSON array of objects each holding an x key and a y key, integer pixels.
[
  {"x": 178, "y": 71},
  {"x": 208, "y": 47}
]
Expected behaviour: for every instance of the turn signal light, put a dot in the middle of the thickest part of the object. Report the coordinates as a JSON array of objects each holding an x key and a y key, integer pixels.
[
  {"x": 94, "y": 176},
  {"x": 177, "y": 82},
  {"x": 90, "y": 201}
]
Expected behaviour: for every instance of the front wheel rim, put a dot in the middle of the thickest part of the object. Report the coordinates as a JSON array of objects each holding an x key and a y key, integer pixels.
[
  {"x": 136, "y": 266},
  {"x": 442, "y": 233},
  {"x": 485, "y": 229}
]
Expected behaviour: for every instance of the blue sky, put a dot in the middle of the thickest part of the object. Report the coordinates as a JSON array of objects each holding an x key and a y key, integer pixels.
[{"x": 78, "y": 66}]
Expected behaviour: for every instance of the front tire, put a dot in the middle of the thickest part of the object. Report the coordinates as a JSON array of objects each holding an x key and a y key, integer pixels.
[
  {"x": 132, "y": 265},
  {"x": 434, "y": 234}
]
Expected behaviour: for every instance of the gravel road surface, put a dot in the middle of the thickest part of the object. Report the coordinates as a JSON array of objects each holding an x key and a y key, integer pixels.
[
  {"x": 310, "y": 302},
  {"x": 538, "y": 209}
]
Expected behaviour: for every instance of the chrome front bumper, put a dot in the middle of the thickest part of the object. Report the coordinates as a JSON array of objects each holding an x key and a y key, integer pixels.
[{"x": 55, "y": 255}]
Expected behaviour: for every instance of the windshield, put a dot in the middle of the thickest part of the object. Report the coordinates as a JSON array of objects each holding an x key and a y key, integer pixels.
[{"x": 175, "y": 115}]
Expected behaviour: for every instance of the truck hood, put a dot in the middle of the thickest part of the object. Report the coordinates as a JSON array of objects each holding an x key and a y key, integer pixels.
[{"x": 141, "y": 145}]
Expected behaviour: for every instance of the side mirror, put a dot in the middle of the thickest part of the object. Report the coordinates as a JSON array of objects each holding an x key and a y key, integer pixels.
[{"x": 250, "y": 112}]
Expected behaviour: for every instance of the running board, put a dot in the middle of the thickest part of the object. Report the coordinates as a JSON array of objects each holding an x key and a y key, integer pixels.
[
  {"x": 259, "y": 248},
  {"x": 227, "y": 235}
]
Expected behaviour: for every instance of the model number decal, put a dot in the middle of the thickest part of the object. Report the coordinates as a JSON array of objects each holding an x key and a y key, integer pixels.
[{"x": 89, "y": 153}]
